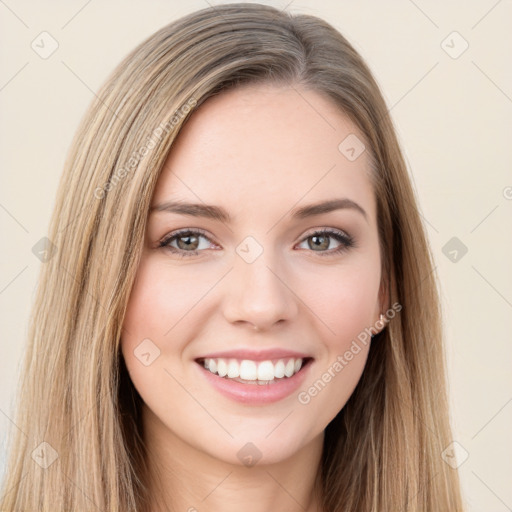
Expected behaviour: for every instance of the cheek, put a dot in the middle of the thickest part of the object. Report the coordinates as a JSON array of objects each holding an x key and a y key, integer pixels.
[
  {"x": 162, "y": 302},
  {"x": 160, "y": 320},
  {"x": 350, "y": 307},
  {"x": 157, "y": 322},
  {"x": 344, "y": 299}
]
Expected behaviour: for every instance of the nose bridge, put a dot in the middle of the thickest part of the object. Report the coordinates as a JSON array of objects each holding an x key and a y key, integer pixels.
[{"x": 257, "y": 293}]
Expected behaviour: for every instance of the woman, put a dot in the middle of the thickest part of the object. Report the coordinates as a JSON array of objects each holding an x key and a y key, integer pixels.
[{"x": 240, "y": 309}]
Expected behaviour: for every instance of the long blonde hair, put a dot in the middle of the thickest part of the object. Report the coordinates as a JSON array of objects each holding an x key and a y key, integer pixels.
[{"x": 382, "y": 452}]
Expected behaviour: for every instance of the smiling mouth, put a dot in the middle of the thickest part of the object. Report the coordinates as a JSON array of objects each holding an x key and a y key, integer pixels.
[{"x": 247, "y": 371}]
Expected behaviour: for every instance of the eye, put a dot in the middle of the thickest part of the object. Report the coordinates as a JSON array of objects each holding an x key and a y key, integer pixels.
[
  {"x": 186, "y": 242},
  {"x": 321, "y": 241},
  {"x": 189, "y": 242}
]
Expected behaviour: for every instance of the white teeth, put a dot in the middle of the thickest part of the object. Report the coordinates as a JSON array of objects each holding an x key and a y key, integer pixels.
[
  {"x": 289, "y": 368},
  {"x": 279, "y": 370},
  {"x": 248, "y": 370},
  {"x": 262, "y": 372},
  {"x": 233, "y": 369},
  {"x": 222, "y": 367},
  {"x": 266, "y": 370}
]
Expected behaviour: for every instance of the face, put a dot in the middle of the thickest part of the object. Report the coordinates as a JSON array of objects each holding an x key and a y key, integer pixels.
[{"x": 252, "y": 278}]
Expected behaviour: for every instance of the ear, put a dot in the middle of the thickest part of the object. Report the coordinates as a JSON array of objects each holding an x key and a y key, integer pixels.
[
  {"x": 384, "y": 299},
  {"x": 383, "y": 305}
]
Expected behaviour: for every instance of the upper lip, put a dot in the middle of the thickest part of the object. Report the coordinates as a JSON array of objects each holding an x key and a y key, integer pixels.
[{"x": 256, "y": 355}]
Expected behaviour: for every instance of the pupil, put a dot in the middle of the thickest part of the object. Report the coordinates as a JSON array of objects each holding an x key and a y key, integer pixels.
[
  {"x": 187, "y": 241},
  {"x": 321, "y": 242}
]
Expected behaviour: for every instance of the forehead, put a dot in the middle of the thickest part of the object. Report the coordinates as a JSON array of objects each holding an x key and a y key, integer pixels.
[{"x": 259, "y": 145}]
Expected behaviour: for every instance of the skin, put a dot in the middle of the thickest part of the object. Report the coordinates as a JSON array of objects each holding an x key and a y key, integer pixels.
[{"x": 259, "y": 152}]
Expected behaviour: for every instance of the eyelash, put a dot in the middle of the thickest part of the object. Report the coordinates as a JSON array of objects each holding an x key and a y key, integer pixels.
[{"x": 346, "y": 241}]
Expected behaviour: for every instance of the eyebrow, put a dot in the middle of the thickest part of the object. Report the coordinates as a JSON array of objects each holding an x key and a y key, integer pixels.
[{"x": 220, "y": 214}]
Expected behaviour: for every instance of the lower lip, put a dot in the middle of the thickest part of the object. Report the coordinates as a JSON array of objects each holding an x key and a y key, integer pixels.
[{"x": 255, "y": 394}]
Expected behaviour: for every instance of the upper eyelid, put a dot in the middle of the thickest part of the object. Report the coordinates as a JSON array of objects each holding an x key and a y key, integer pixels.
[{"x": 327, "y": 231}]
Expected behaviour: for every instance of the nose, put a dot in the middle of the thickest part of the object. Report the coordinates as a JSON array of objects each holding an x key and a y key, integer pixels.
[{"x": 257, "y": 294}]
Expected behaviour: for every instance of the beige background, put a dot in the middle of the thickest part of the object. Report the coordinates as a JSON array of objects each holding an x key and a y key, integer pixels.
[{"x": 453, "y": 116}]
